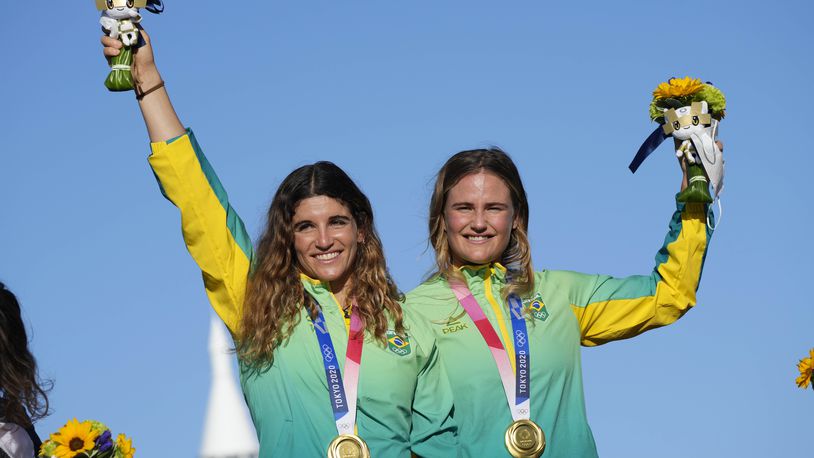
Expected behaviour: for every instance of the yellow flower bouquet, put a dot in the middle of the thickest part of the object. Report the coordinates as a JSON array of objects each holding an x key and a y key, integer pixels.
[
  {"x": 806, "y": 368},
  {"x": 87, "y": 439},
  {"x": 689, "y": 111}
]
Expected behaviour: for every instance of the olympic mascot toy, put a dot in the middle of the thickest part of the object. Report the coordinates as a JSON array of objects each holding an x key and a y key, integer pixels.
[
  {"x": 120, "y": 20},
  {"x": 689, "y": 111}
]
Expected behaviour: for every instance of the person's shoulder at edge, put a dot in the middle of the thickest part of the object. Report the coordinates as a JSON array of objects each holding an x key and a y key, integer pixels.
[{"x": 16, "y": 441}]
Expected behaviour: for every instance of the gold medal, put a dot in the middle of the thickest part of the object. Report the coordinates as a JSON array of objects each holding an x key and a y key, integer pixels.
[
  {"x": 348, "y": 446},
  {"x": 524, "y": 439}
]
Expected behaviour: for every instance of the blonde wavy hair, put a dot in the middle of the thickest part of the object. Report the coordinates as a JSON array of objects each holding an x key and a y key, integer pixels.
[
  {"x": 517, "y": 255},
  {"x": 275, "y": 295}
]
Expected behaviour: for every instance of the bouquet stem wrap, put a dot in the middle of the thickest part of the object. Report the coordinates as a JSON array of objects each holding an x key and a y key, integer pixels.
[
  {"x": 698, "y": 187},
  {"x": 120, "y": 77}
]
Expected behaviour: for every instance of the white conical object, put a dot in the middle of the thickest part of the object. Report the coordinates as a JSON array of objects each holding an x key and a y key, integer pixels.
[{"x": 227, "y": 431}]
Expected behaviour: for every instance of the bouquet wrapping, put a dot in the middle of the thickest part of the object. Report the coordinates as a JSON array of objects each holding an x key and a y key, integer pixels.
[{"x": 120, "y": 19}]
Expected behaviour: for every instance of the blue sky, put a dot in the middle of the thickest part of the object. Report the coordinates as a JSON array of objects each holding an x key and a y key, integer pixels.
[{"x": 388, "y": 90}]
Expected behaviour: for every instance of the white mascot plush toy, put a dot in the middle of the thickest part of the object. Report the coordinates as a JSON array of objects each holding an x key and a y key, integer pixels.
[
  {"x": 120, "y": 20},
  {"x": 689, "y": 111},
  {"x": 696, "y": 129}
]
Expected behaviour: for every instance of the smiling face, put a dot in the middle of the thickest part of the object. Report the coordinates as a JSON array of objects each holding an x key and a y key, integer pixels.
[
  {"x": 689, "y": 120},
  {"x": 478, "y": 219},
  {"x": 325, "y": 239},
  {"x": 121, "y": 9}
]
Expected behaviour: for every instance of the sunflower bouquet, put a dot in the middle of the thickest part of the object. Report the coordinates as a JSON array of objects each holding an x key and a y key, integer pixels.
[
  {"x": 689, "y": 111},
  {"x": 87, "y": 439},
  {"x": 806, "y": 368}
]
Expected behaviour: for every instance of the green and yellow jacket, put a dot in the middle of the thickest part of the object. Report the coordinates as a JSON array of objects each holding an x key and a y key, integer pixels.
[
  {"x": 404, "y": 398},
  {"x": 566, "y": 310}
]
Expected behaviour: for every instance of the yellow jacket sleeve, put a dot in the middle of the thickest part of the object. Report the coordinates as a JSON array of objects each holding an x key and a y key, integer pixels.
[
  {"x": 214, "y": 234},
  {"x": 619, "y": 308}
]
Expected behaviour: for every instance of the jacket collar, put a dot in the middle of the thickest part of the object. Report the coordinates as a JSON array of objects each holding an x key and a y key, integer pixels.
[
  {"x": 315, "y": 286},
  {"x": 495, "y": 270}
]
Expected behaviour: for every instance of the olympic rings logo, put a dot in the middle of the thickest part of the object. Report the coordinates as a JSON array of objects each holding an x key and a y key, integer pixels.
[
  {"x": 521, "y": 337},
  {"x": 327, "y": 353},
  {"x": 523, "y": 411}
]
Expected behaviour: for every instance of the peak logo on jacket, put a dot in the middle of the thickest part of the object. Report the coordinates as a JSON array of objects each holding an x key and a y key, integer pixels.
[{"x": 452, "y": 323}]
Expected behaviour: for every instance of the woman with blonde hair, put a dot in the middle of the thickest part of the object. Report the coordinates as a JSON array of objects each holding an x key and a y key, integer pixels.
[
  {"x": 510, "y": 335},
  {"x": 314, "y": 313}
]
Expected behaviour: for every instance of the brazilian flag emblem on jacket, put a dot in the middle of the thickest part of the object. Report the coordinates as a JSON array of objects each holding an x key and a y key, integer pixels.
[
  {"x": 537, "y": 307},
  {"x": 399, "y": 345}
]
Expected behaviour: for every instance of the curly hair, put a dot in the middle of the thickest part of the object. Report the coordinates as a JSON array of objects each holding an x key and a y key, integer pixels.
[
  {"x": 23, "y": 396},
  {"x": 275, "y": 294},
  {"x": 517, "y": 255}
]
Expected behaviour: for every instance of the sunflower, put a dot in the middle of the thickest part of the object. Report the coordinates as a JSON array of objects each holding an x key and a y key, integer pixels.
[
  {"x": 678, "y": 87},
  {"x": 806, "y": 367},
  {"x": 124, "y": 447},
  {"x": 680, "y": 92},
  {"x": 74, "y": 438}
]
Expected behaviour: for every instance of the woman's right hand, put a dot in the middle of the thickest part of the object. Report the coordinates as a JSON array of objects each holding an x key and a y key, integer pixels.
[
  {"x": 143, "y": 67},
  {"x": 159, "y": 116}
]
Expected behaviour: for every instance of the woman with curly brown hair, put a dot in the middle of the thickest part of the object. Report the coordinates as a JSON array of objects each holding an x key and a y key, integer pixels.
[
  {"x": 23, "y": 398},
  {"x": 314, "y": 312}
]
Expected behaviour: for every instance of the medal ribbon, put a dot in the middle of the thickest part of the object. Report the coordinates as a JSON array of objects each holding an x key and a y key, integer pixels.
[
  {"x": 518, "y": 395},
  {"x": 343, "y": 395}
]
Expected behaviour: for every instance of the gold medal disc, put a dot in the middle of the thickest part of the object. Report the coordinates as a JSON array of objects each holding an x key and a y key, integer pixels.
[
  {"x": 348, "y": 446},
  {"x": 524, "y": 439}
]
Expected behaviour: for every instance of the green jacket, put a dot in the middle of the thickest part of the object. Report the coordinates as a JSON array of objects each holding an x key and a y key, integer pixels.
[
  {"x": 566, "y": 310},
  {"x": 404, "y": 398}
]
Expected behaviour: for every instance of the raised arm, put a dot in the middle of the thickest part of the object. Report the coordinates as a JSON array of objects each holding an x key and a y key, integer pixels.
[
  {"x": 159, "y": 115},
  {"x": 213, "y": 232},
  {"x": 610, "y": 308}
]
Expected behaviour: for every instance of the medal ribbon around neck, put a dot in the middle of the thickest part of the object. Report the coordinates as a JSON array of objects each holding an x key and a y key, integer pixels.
[
  {"x": 343, "y": 395},
  {"x": 517, "y": 395}
]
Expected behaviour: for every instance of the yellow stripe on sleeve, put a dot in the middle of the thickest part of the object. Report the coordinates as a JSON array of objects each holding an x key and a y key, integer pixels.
[
  {"x": 666, "y": 295},
  {"x": 225, "y": 267}
]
